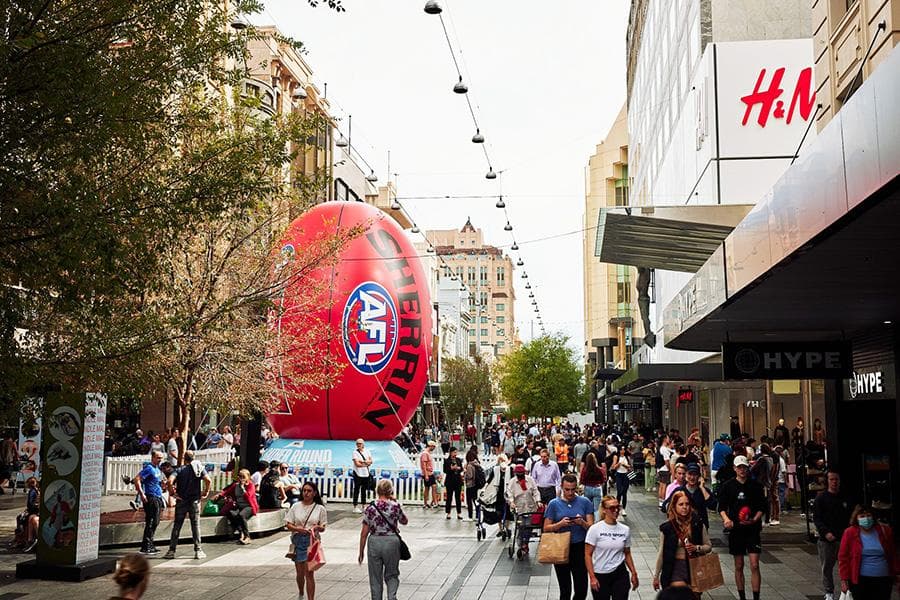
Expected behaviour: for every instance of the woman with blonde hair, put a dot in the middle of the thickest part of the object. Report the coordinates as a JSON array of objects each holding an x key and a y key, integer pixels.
[
  {"x": 240, "y": 504},
  {"x": 132, "y": 577},
  {"x": 681, "y": 536},
  {"x": 381, "y": 537},
  {"x": 607, "y": 555}
]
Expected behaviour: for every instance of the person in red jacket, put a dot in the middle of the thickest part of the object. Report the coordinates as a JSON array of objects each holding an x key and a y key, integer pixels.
[
  {"x": 867, "y": 561},
  {"x": 241, "y": 504}
]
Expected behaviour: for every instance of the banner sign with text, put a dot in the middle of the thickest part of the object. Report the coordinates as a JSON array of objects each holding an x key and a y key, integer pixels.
[
  {"x": 871, "y": 383},
  {"x": 72, "y": 458},
  {"x": 336, "y": 453},
  {"x": 812, "y": 360}
]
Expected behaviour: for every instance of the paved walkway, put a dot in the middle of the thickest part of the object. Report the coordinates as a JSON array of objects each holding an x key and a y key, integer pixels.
[{"x": 448, "y": 563}]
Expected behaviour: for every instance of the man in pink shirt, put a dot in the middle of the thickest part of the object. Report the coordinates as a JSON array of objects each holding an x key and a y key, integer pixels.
[{"x": 426, "y": 465}]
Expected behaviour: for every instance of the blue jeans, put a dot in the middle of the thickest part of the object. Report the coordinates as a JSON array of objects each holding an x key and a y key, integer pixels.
[
  {"x": 595, "y": 495},
  {"x": 782, "y": 495}
]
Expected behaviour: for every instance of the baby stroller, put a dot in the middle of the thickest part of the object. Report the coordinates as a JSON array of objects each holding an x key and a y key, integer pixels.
[
  {"x": 490, "y": 512},
  {"x": 528, "y": 526}
]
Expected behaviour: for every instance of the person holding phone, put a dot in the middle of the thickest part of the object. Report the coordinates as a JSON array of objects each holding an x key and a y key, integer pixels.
[{"x": 575, "y": 514}]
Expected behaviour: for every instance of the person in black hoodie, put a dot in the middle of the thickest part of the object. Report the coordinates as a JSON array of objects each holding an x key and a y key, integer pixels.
[
  {"x": 831, "y": 515},
  {"x": 453, "y": 481}
]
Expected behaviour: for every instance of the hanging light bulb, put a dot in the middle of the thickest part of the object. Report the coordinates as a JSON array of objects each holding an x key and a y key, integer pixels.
[
  {"x": 527, "y": 286},
  {"x": 342, "y": 142},
  {"x": 501, "y": 203},
  {"x": 432, "y": 7},
  {"x": 395, "y": 205},
  {"x": 531, "y": 294},
  {"x": 477, "y": 138},
  {"x": 491, "y": 174},
  {"x": 429, "y": 250},
  {"x": 299, "y": 93},
  {"x": 460, "y": 87},
  {"x": 415, "y": 228},
  {"x": 372, "y": 177},
  {"x": 515, "y": 246},
  {"x": 520, "y": 263},
  {"x": 524, "y": 275},
  {"x": 507, "y": 227}
]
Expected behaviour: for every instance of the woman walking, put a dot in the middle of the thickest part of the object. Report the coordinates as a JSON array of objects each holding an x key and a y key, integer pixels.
[
  {"x": 497, "y": 480},
  {"x": 132, "y": 577},
  {"x": 681, "y": 536},
  {"x": 622, "y": 467},
  {"x": 306, "y": 520},
  {"x": 575, "y": 514},
  {"x": 380, "y": 536},
  {"x": 241, "y": 504},
  {"x": 650, "y": 466},
  {"x": 453, "y": 481},
  {"x": 593, "y": 477},
  {"x": 607, "y": 555},
  {"x": 472, "y": 466},
  {"x": 867, "y": 559}
]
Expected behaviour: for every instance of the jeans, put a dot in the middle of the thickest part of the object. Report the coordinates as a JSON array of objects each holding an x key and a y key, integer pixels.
[
  {"x": 152, "y": 510},
  {"x": 454, "y": 492},
  {"x": 184, "y": 508},
  {"x": 622, "y": 483},
  {"x": 360, "y": 490},
  {"x": 782, "y": 496},
  {"x": 595, "y": 495},
  {"x": 573, "y": 574},
  {"x": 238, "y": 518},
  {"x": 614, "y": 585},
  {"x": 384, "y": 565},
  {"x": 828, "y": 552}
]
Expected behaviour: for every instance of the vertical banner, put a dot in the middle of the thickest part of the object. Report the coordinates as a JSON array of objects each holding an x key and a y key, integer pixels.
[
  {"x": 30, "y": 439},
  {"x": 72, "y": 469}
]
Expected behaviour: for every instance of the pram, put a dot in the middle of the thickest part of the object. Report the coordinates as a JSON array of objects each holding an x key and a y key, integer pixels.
[
  {"x": 528, "y": 526},
  {"x": 486, "y": 512}
]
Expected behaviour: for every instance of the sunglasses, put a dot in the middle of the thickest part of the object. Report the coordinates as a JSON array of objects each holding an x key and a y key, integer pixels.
[{"x": 613, "y": 508}]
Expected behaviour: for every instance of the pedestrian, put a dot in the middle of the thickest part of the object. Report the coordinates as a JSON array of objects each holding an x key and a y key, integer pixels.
[
  {"x": 172, "y": 447},
  {"x": 188, "y": 485},
  {"x": 682, "y": 536},
  {"x": 148, "y": 484},
  {"x": 574, "y": 514},
  {"x": 580, "y": 449},
  {"x": 362, "y": 474},
  {"x": 445, "y": 440},
  {"x": 607, "y": 555},
  {"x": 782, "y": 479},
  {"x": 306, "y": 520},
  {"x": 547, "y": 477},
  {"x": 429, "y": 481},
  {"x": 453, "y": 482},
  {"x": 649, "y": 453},
  {"x": 593, "y": 476},
  {"x": 241, "y": 505},
  {"x": 132, "y": 576},
  {"x": 261, "y": 469},
  {"x": 679, "y": 477},
  {"x": 702, "y": 500},
  {"x": 622, "y": 467},
  {"x": 381, "y": 538},
  {"x": 523, "y": 497},
  {"x": 561, "y": 449},
  {"x": 497, "y": 480},
  {"x": 831, "y": 515},
  {"x": 741, "y": 506},
  {"x": 720, "y": 450},
  {"x": 867, "y": 559},
  {"x": 663, "y": 472},
  {"x": 763, "y": 471},
  {"x": 227, "y": 441},
  {"x": 474, "y": 478}
]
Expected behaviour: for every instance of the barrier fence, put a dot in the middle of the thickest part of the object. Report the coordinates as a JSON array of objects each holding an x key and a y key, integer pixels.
[{"x": 118, "y": 467}]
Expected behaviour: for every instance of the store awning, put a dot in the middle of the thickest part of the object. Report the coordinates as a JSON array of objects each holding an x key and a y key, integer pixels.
[
  {"x": 644, "y": 374},
  {"x": 675, "y": 238}
]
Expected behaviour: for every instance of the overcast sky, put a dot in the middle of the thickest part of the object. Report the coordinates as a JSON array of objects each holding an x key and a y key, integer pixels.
[{"x": 547, "y": 79}]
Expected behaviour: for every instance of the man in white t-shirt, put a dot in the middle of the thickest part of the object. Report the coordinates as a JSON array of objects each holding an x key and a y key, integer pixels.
[
  {"x": 362, "y": 461},
  {"x": 663, "y": 468}
]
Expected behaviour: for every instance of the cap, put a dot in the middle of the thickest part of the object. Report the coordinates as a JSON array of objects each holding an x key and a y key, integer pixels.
[
  {"x": 519, "y": 469},
  {"x": 693, "y": 468},
  {"x": 741, "y": 461},
  {"x": 432, "y": 444},
  {"x": 724, "y": 436}
]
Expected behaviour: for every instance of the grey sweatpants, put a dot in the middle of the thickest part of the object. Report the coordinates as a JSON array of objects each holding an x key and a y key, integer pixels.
[
  {"x": 828, "y": 552},
  {"x": 384, "y": 565}
]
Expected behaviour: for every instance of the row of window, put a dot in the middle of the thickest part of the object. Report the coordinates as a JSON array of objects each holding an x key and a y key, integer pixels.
[
  {"x": 482, "y": 275},
  {"x": 484, "y": 332}
]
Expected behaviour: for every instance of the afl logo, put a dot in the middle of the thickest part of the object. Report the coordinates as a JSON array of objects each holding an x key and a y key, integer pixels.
[{"x": 369, "y": 328}]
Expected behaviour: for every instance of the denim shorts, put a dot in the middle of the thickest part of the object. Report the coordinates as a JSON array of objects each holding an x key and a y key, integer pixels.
[{"x": 301, "y": 546}]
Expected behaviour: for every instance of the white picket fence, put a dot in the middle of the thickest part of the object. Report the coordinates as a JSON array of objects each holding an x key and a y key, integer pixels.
[{"x": 117, "y": 467}]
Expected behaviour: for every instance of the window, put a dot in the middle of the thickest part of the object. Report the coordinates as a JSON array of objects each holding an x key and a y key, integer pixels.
[
  {"x": 484, "y": 332},
  {"x": 472, "y": 300},
  {"x": 501, "y": 319},
  {"x": 484, "y": 319},
  {"x": 501, "y": 332},
  {"x": 501, "y": 344},
  {"x": 501, "y": 307},
  {"x": 459, "y": 273},
  {"x": 483, "y": 298},
  {"x": 501, "y": 276},
  {"x": 471, "y": 274},
  {"x": 623, "y": 292},
  {"x": 471, "y": 332},
  {"x": 483, "y": 275}
]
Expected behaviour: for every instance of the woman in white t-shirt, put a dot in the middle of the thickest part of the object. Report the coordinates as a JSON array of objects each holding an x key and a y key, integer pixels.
[
  {"x": 621, "y": 467},
  {"x": 306, "y": 520},
  {"x": 607, "y": 555}
]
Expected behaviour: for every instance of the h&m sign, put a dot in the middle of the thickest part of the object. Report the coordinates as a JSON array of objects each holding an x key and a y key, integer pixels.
[{"x": 812, "y": 360}]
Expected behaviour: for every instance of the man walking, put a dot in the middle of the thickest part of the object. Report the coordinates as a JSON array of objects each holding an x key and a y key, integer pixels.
[
  {"x": 148, "y": 484},
  {"x": 831, "y": 515},
  {"x": 701, "y": 498},
  {"x": 547, "y": 477},
  {"x": 426, "y": 465},
  {"x": 185, "y": 486},
  {"x": 741, "y": 506},
  {"x": 720, "y": 450}
]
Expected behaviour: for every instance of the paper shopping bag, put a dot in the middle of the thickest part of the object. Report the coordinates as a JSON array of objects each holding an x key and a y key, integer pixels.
[
  {"x": 706, "y": 572},
  {"x": 554, "y": 548}
]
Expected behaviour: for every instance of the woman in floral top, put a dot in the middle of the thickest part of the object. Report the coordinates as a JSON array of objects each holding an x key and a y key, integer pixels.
[{"x": 381, "y": 521}]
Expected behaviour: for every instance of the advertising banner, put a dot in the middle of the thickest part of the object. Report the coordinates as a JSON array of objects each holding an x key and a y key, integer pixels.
[
  {"x": 336, "y": 453},
  {"x": 806, "y": 360},
  {"x": 30, "y": 440}
]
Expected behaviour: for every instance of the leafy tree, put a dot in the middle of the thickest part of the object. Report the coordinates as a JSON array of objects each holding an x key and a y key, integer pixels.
[
  {"x": 542, "y": 378},
  {"x": 466, "y": 387}
]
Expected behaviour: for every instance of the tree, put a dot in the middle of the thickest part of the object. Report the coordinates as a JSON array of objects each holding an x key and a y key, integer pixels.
[
  {"x": 466, "y": 387},
  {"x": 542, "y": 378}
]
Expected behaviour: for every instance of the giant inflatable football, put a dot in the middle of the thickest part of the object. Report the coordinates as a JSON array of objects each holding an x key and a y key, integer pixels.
[{"x": 377, "y": 303}]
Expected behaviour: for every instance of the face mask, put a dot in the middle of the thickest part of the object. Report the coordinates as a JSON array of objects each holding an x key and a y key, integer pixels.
[{"x": 866, "y": 522}]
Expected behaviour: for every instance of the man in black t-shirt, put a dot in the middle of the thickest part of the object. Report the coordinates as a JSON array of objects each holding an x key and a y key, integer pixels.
[
  {"x": 188, "y": 484},
  {"x": 742, "y": 504}
]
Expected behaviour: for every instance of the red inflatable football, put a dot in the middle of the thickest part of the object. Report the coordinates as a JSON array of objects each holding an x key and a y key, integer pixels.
[
  {"x": 744, "y": 514},
  {"x": 377, "y": 303}
]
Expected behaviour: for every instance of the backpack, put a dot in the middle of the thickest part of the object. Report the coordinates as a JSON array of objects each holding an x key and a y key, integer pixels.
[{"x": 480, "y": 478}]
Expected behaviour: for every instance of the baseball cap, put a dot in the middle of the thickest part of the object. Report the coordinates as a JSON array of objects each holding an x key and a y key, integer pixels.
[
  {"x": 741, "y": 461},
  {"x": 693, "y": 468},
  {"x": 519, "y": 469},
  {"x": 724, "y": 436}
]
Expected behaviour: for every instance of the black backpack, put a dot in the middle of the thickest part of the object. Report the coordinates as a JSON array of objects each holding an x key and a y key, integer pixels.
[{"x": 480, "y": 478}]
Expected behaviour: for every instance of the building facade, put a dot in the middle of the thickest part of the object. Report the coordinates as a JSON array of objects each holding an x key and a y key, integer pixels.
[{"x": 487, "y": 274}]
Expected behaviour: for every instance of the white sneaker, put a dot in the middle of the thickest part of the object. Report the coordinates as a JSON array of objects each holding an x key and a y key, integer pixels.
[
  {"x": 623, "y": 513},
  {"x": 357, "y": 510},
  {"x": 199, "y": 554},
  {"x": 829, "y": 596},
  {"x": 776, "y": 522},
  {"x": 169, "y": 555}
]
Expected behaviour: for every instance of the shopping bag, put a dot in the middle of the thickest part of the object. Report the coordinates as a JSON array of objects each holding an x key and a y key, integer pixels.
[
  {"x": 315, "y": 556},
  {"x": 210, "y": 509},
  {"x": 554, "y": 548},
  {"x": 706, "y": 572}
]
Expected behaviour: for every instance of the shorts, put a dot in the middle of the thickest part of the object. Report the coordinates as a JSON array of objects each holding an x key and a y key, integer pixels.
[
  {"x": 301, "y": 546},
  {"x": 663, "y": 477},
  {"x": 430, "y": 481},
  {"x": 744, "y": 540}
]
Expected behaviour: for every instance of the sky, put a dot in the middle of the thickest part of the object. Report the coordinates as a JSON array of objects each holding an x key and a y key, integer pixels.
[{"x": 547, "y": 80}]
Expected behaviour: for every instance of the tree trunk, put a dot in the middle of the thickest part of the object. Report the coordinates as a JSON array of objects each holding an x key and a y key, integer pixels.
[{"x": 184, "y": 398}]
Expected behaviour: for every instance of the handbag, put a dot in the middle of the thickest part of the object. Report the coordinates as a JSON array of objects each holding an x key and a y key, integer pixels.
[
  {"x": 210, "y": 509},
  {"x": 315, "y": 556},
  {"x": 404, "y": 549},
  {"x": 706, "y": 572},
  {"x": 554, "y": 548}
]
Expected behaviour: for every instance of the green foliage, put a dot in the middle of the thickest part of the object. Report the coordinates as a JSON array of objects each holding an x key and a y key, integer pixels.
[
  {"x": 542, "y": 378},
  {"x": 466, "y": 387}
]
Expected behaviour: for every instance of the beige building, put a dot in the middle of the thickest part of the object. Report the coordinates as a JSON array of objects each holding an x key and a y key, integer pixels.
[
  {"x": 610, "y": 305},
  {"x": 487, "y": 274},
  {"x": 843, "y": 31}
]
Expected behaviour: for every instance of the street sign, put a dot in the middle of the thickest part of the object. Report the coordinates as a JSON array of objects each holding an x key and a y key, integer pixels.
[{"x": 804, "y": 360}]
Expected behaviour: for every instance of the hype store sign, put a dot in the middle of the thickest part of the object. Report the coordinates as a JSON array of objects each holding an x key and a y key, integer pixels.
[{"x": 766, "y": 97}]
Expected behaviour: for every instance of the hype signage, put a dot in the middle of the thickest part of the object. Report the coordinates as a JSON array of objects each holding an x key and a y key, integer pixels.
[
  {"x": 811, "y": 360},
  {"x": 873, "y": 383}
]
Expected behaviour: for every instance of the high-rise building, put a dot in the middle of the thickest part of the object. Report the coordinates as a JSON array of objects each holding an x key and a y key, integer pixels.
[{"x": 487, "y": 274}]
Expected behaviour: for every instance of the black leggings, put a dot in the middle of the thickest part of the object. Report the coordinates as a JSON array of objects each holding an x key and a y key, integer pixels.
[
  {"x": 360, "y": 490},
  {"x": 573, "y": 574},
  {"x": 471, "y": 496},
  {"x": 238, "y": 518},
  {"x": 622, "y": 483},
  {"x": 454, "y": 492},
  {"x": 613, "y": 586},
  {"x": 872, "y": 588}
]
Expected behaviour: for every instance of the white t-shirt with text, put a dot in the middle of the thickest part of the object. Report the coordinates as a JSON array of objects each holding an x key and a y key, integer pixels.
[
  {"x": 609, "y": 542},
  {"x": 666, "y": 453}
]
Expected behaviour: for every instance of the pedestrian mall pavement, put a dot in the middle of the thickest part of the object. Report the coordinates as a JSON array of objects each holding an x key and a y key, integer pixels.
[{"x": 448, "y": 563}]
